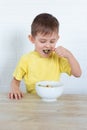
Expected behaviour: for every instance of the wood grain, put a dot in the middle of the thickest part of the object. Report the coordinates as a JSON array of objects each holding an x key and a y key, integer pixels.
[{"x": 69, "y": 112}]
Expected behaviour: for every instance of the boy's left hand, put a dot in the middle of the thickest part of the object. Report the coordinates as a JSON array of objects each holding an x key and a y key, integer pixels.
[
  {"x": 75, "y": 67},
  {"x": 62, "y": 52}
]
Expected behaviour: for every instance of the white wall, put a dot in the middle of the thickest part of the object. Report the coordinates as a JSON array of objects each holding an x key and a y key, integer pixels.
[{"x": 15, "y": 20}]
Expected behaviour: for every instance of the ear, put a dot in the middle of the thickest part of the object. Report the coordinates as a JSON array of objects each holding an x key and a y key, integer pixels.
[{"x": 31, "y": 38}]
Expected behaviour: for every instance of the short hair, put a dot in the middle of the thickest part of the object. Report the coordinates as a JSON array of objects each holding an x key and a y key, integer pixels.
[{"x": 44, "y": 23}]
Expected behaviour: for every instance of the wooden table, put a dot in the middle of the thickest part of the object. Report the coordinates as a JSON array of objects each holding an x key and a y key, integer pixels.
[{"x": 31, "y": 113}]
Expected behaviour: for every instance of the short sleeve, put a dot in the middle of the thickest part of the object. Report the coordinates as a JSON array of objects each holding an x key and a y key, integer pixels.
[
  {"x": 64, "y": 66},
  {"x": 21, "y": 68}
]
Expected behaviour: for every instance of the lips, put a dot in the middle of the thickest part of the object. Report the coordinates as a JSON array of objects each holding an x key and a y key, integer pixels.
[{"x": 47, "y": 51}]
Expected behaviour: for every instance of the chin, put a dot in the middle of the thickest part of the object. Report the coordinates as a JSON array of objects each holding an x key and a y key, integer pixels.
[{"x": 45, "y": 55}]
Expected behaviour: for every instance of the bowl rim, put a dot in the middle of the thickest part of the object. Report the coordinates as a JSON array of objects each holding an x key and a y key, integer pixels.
[{"x": 47, "y": 82}]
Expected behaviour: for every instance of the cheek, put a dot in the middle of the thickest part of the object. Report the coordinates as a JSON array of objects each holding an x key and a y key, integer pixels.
[{"x": 39, "y": 46}]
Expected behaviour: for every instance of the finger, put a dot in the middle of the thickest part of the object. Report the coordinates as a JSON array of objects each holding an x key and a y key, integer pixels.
[
  {"x": 60, "y": 54},
  {"x": 11, "y": 95},
  {"x": 16, "y": 96},
  {"x": 19, "y": 95},
  {"x": 22, "y": 94}
]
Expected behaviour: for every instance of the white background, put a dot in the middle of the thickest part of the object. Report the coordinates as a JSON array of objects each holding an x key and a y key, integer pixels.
[{"x": 15, "y": 20}]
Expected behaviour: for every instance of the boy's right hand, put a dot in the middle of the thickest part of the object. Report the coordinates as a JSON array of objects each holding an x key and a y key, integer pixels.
[{"x": 15, "y": 92}]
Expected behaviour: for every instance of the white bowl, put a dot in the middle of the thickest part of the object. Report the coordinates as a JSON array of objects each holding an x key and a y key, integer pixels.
[{"x": 49, "y": 90}]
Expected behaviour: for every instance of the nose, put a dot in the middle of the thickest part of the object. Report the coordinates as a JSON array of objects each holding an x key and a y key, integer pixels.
[{"x": 47, "y": 44}]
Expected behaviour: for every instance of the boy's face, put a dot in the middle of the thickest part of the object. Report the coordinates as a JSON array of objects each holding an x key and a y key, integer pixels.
[{"x": 44, "y": 44}]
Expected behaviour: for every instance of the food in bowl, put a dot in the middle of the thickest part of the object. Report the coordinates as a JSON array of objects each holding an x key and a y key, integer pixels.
[
  {"x": 49, "y": 90},
  {"x": 45, "y": 85}
]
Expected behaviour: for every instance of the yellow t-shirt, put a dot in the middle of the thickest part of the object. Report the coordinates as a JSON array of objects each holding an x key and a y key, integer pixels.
[{"x": 33, "y": 68}]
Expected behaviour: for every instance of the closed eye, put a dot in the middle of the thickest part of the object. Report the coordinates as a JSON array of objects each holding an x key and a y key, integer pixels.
[
  {"x": 42, "y": 41},
  {"x": 52, "y": 41}
]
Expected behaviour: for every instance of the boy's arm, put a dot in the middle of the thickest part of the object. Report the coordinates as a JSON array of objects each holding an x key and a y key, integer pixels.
[
  {"x": 75, "y": 67},
  {"x": 15, "y": 91}
]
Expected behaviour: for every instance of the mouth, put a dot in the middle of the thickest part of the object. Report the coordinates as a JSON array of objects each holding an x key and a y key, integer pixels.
[{"x": 47, "y": 51}]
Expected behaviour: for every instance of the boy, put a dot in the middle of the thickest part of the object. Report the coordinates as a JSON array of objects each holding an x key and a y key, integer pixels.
[{"x": 46, "y": 62}]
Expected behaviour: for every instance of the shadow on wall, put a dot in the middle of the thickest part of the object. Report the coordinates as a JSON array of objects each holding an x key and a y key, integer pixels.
[{"x": 14, "y": 45}]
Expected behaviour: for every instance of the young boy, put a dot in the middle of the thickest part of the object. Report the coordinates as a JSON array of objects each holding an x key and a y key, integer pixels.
[{"x": 46, "y": 62}]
